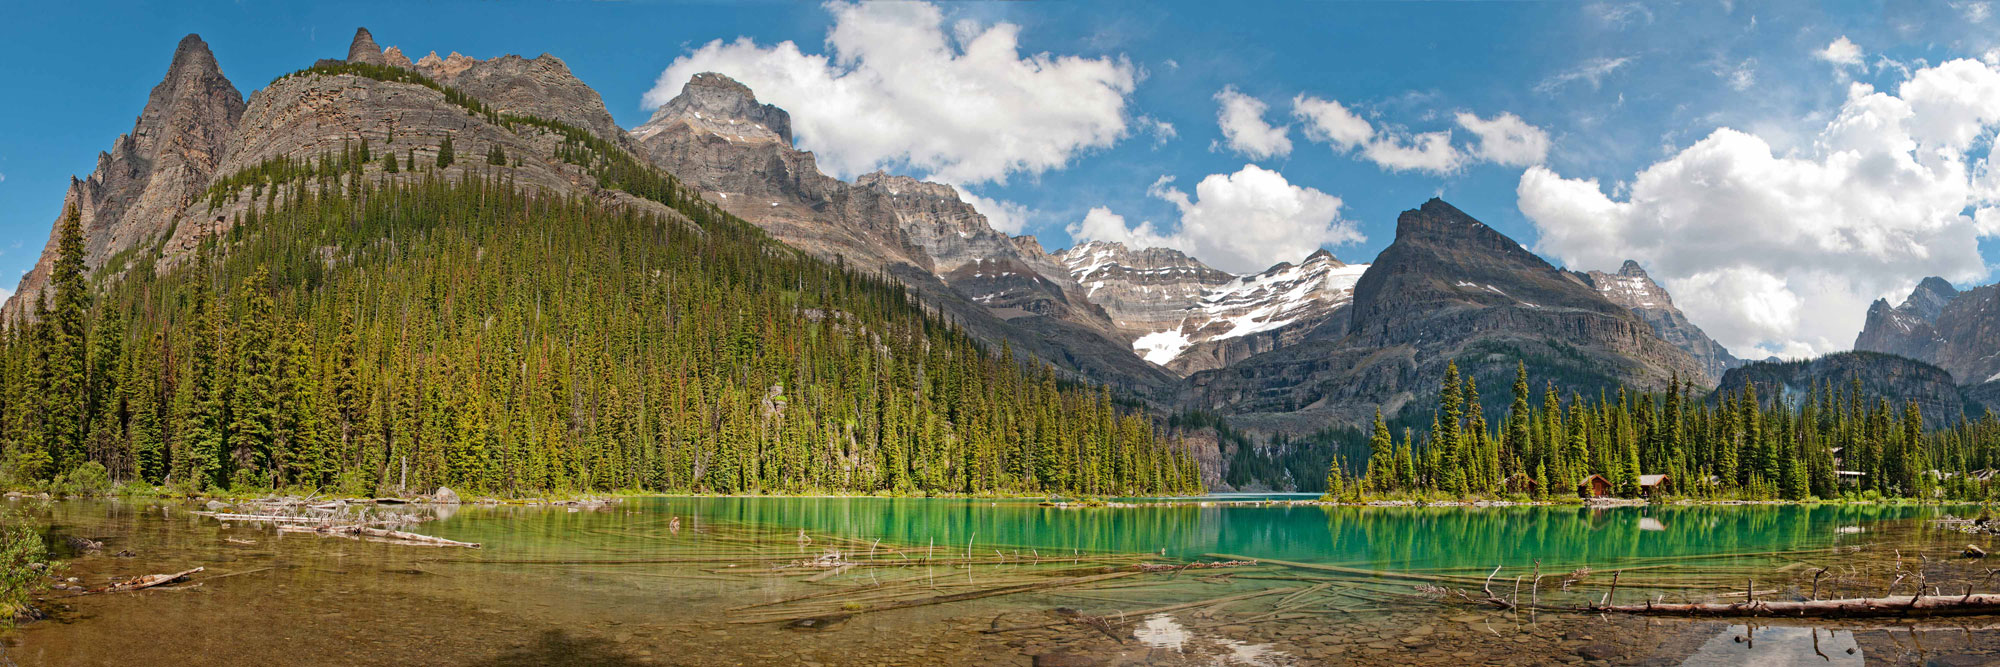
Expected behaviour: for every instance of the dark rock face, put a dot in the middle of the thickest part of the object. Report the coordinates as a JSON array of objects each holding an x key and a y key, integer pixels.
[
  {"x": 1450, "y": 289},
  {"x": 150, "y": 174},
  {"x": 719, "y": 139},
  {"x": 1632, "y": 288},
  {"x": 1896, "y": 379},
  {"x": 1911, "y": 328}
]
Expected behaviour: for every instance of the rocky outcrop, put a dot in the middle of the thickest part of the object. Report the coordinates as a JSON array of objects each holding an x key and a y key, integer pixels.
[
  {"x": 1909, "y": 329},
  {"x": 1632, "y": 288},
  {"x": 1896, "y": 379},
  {"x": 1449, "y": 289},
  {"x": 716, "y": 137},
  {"x": 542, "y": 87},
  {"x": 149, "y": 175}
]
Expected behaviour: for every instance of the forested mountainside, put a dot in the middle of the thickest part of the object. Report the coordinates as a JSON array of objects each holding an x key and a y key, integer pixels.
[{"x": 398, "y": 285}]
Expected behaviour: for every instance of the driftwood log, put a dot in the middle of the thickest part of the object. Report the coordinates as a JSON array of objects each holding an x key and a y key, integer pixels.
[
  {"x": 1894, "y": 606},
  {"x": 383, "y": 534}
]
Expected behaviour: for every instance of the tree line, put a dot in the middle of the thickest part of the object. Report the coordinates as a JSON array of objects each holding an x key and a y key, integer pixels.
[{"x": 1829, "y": 442}]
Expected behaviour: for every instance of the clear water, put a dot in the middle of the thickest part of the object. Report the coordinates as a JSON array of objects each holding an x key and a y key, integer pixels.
[{"x": 659, "y": 580}]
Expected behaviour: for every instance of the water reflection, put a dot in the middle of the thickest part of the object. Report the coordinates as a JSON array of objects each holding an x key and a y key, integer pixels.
[
  {"x": 1377, "y": 537},
  {"x": 1778, "y": 647}
]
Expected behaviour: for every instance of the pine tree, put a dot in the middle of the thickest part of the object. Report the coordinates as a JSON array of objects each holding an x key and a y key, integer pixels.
[{"x": 496, "y": 156}]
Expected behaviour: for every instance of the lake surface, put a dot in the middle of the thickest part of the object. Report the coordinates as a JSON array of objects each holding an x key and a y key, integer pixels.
[{"x": 710, "y": 581}]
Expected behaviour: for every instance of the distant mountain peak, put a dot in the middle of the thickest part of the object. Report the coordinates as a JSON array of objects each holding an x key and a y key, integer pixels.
[{"x": 722, "y": 106}]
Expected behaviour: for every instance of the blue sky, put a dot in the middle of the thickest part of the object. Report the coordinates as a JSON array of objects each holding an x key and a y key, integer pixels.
[{"x": 1719, "y": 100}]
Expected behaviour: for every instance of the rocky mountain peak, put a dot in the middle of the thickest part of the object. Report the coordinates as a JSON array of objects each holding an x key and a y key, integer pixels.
[
  {"x": 363, "y": 48},
  {"x": 1918, "y": 329},
  {"x": 1632, "y": 288},
  {"x": 152, "y": 172},
  {"x": 722, "y": 106},
  {"x": 1930, "y": 297}
]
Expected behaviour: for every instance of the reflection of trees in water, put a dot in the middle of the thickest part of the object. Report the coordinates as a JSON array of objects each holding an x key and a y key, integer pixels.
[
  {"x": 1570, "y": 536},
  {"x": 1561, "y": 536}
]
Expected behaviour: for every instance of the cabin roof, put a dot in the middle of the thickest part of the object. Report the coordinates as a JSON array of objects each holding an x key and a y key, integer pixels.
[{"x": 1652, "y": 480}]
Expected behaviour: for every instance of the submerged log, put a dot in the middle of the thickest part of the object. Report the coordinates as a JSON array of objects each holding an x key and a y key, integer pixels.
[
  {"x": 139, "y": 583},
  {"x": 1891, "y": 607}
]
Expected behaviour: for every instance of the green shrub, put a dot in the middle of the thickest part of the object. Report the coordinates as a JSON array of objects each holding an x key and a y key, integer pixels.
[
  {"x": 89, "y": 479},
  {"x": 21, "y": 551}
]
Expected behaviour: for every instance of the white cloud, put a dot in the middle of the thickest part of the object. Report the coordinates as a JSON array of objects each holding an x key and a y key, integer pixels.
[
  {"x": 1506, "y": 139},
  {"x": 1005, "y": 217},
  {"x": 1593, "y": 71},
  {"x": 1841, "y": 51},
  {"x": 3, "y": 178},
  {"x": 1330, "y": 122},
  {"x": 1161, "y": 130},
  {"x": 1241, "y": 223},
  {"x": 1430, "y": 151},
  {"x": 897, "y": 88},
  {"x": 1781, "y": 252},
  {"x": 1244, "y": 130}
]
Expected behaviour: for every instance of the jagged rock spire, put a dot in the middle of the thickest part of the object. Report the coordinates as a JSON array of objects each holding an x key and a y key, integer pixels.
[{"x": 363, "y": 49}]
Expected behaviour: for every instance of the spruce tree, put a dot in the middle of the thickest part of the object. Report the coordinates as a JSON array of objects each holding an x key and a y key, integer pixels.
[
  {"x": 445, "y": 157},
  {"x": 68, "y": 382}
]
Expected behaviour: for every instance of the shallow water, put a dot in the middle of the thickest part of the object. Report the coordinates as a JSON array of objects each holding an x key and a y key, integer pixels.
[{"x": 659, "y": 580}]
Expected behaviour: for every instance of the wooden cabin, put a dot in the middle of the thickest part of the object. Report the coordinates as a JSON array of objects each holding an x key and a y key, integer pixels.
[
  {"x": 1594, "y": 486},
  {"x": 1654, "y": 484},
  {"x": 1519, "y": 482}
]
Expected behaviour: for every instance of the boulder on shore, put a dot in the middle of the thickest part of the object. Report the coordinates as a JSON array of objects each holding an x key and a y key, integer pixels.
[{"x": 445, "y": 496}]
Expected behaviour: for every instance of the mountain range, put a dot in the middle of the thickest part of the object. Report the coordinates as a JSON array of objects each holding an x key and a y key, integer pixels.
[{"x": 1296, "y": 347}]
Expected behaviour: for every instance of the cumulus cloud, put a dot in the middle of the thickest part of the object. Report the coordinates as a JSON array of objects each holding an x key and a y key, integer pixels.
[
  {"x": 897, "y": 88},
  {"x": 1241, "y": 223},
  {"x": 1841, "y": 51},
  {"x": 1504, "y": 139},
  {"x": 1781, "y": 252},
  {"x": 1592, "y": 71},
  {"x": 1244, "y": 130},
  {"x": 1003, "y": 216}
]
